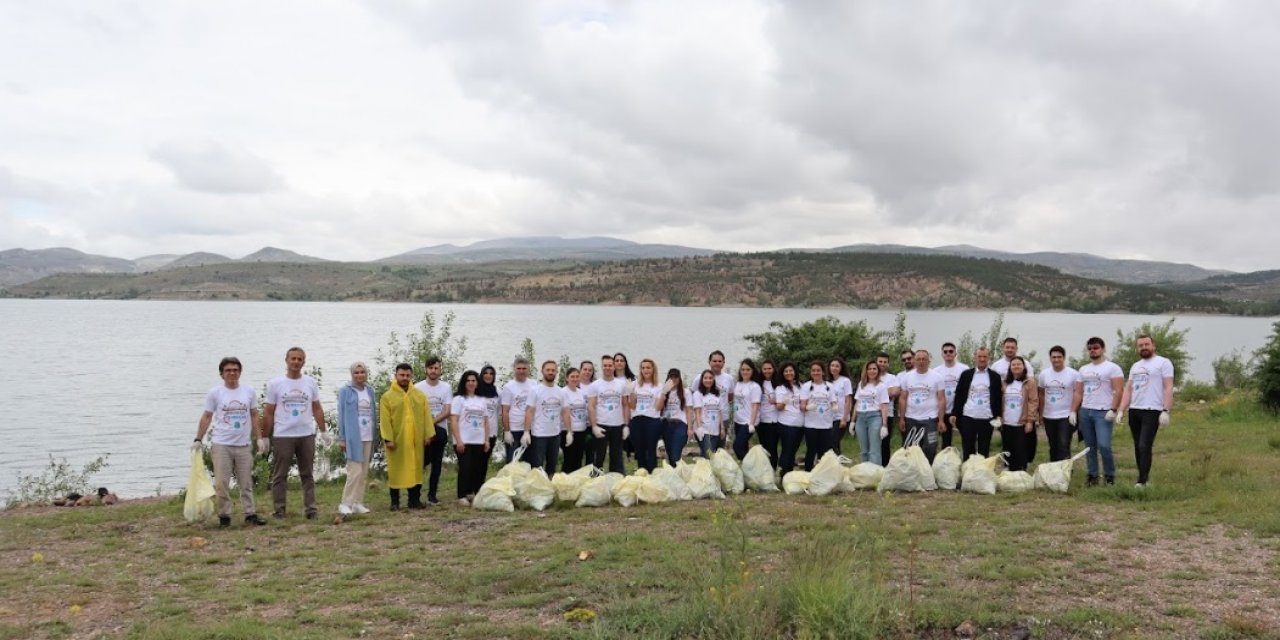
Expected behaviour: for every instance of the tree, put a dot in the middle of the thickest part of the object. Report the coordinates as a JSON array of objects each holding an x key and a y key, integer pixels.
[
  {"x": 825, "y": 338},
  {"x": 1268, "y": 376},
  {"x": 434, "y": 338},
  {"x": 1170, "y": 343}
]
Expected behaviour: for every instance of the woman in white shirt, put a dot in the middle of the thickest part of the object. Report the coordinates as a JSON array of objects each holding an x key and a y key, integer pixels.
[
  {"x": 871, "y": 406},
  {"x": 786, "y": 397},
  {"x": 488, "y": 390},
  {"x": 575, "y": 400},
  {"x": 646, "y": 416},
  {"x": 746, "y": 406},
  {"x": 1019, "y": 413},
  {"x": 469, "y": 422},
  {"x": 707, "y": 410},
  {"x": 676, "y": 406},
  {"x": 767, "y": 428},
  {"x": 842, "y": 387},
  {"x": 818, "y": 402}
]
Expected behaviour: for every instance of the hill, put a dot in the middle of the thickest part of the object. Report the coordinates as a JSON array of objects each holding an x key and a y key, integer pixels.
[
  {"x": 542, "y": 248},
  {"x": 24, "y": 265},
  {"x": 1257, "y": 286}
]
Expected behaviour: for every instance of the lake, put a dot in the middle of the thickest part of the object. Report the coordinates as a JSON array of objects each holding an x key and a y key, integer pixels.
[{"x": 127, "y": 378}]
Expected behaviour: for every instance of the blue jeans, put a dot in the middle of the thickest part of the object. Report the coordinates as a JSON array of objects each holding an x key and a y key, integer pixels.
[
  {"x": 1097, "y": 436},
  {"x": 675, "y": 434},
  {"x": 709, "y": 444},
  {"x": 645, "y": 433},
  {"x": 544, "y": 452},
  {"x": 867, "y": 426}
]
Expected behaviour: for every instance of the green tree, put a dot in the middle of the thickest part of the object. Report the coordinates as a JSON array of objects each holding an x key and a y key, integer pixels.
[
  {"x": 825, "y": 338},
  {"x": 434, "y": 338},
  {"x": 1231, "y": 371},
  {"x": 1170, "y": 343},
  {"x": 1268, "y": 376}
]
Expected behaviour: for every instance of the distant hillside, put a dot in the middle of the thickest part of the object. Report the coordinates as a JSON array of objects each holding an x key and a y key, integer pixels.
[
  {"x": 151, "y": 263},
  {"x": 542, "y": 248},
  {"x": 1257, "y": 286},
  {"x": 770, "y": 279},
  {"x": 23, "y": 265},
  {"x": 272, "y": 254},
  {"x": 197, "y": 259},
  {"x": 1080, "y": 264}
]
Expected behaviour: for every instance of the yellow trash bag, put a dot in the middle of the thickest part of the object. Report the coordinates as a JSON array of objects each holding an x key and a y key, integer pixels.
[
  {"x": 1014, "y": 482},
  {"x": 908, "y": 470},
  {"x": 652, "y": 490},
  {"x": 826, "y": 475},
  {"x": 727, "y": 471},
  {"x": 199, "y": 504},
  {"x": 795, "y": 483},
  {"x": 978, "y": 474},
  {"x": 946, "y": 468},
  {"x": 757, "y": 471},
  {"x": 668, "y": 476},
  {"x": 684, "y": 470},
  {"x": 626, "y": 493},
  {"x": 534, "y": 490},
  {"x": 569, "y": 485},
  {"x": 598, "y": 492},
  {"x": 703, "y": 483},
  {"x": 514, "y": 469},
  {"x": 865, "y": 475},
  {"x": 495, "y": 495},
  {"x": 1056, "y": 476}
]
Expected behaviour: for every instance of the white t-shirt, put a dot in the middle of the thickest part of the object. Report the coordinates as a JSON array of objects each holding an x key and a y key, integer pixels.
[
  {"x": 1059, "y": 389},
  {"x": 891, "y": 381},
  {"x": 710, "y": 412},
  {"x": 1147, "y": 378},
  {"x": 1013, "y": 403},
  {"x": 494, "y": 408},
  {"x": 439, "y": 396},
  {"x": 292, "y": 400},
  {"x": 647, "y": 400},
  {"x": 672, "y": 410},
  {"x": 843, "y": 388},
  {"x": 232, "y": 425},
  {"x": 1096, "y": 379},
  {"x": 921, "y": 390},
  {"x": 790, "y": 415},
  {"x": 768, "y": 410},
  {"x": 547, "y": 403},
  {"x": 745, "y": 394},
  {"x": 869, "y": 397},
  {"x": 576, "y": 400},
  {"x": 950, "y": 377},
  {"x": 364, "y": 413},
  {"x": 724, "y": 382},
  {"x": 608, "y": 395},
  {"x": 821, "y": 405},
  {"x": 1001, "y": 367},
  {"x": 515, "y": 400},
  {"x": 978, "y": 406},
  {"x": 471, "y": 412}
]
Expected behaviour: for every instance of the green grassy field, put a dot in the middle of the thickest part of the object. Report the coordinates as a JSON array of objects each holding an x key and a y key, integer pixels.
[{"x": 1192, "y": 556}]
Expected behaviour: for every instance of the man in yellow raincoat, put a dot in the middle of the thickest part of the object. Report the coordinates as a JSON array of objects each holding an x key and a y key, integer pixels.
[{"x": 406, "y": 427}]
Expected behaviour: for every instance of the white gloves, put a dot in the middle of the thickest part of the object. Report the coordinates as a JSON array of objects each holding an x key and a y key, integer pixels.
[
  {"x": 626, "y": 433},
  {"x": 568, "y": 438},
  {"x": 597, "y": 432},
  {"x": 1119, "y": 417},
  {"x": 1111, "y": 415},
  {"x": 853, "y": 430},
  {"x": 325, "y": 439},
  {"x": 997, "y": 422},
  {"x": 264, "y": 446},
  {"x": 629, "y": 388},
  {"x": 508, "y": 438},
  {"x": 884, "y": 431},
  {"x": 526, "y": 439},
  {"x": 196, "y": 445},
  {"x": 668, "y": 387},
  {"x": 1164, "y": 419},
  {"x": 751, "y": 428},
  {"x": 1071, "y": 419}
]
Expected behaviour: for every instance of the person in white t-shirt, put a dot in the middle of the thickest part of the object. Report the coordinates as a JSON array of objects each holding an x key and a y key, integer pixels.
[
  {"x": 818, "y": 402},
  {"x": 1010, "y": 349},
  {"x": 357, "y": 425},
  {"x": 767, "y": 428},
  {"x": 575, "y": 402},
  {"x": 708, "y": 409},
  {"x": 646, "y": 415},
  {"x": 786, "y": 396},
  {"x": 949, "y": 371},
  {"x": 1020, "y": 413},
  {"x": 838, "y": 376},
  {"x": 676, "y": 406},
  {"x": 1059, "y": 403},
  {"x": 472, "y": 428},
  {"x": 922, "y": 405},
  {"x": 978, "y": 402},
  {"x": 871, "y": 412},
  {"x": 440, "y": 400},
  {"x": 488, "y": 390},
  {"x": 609, "y": 414},
  {"x": 546, "y": 421},
  {"x": 586, "y": 373},
  {"x": 891, "y": 381},
  {"x": 292, "y": 417},
  {"x": 515, "y": 401},
  {"x": 1148, "y": 395},
  {"x": 231, "y": 409},
  {"x": 747, "y": 392},
  {"x": 1100, "y": 388}
]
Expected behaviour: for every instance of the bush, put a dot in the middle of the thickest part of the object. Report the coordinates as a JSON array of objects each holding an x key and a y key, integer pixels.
[
  {"x": 433, "y": 339},
  {"x": 1196, "y": 391},
  {"x": 1170, "y": 343},
  {"x": 57, "y": 480},
  {"x": 1231, "y": 371},
  {"x": 825, "y": 338},
  {"x": 1268, "y": 375}
]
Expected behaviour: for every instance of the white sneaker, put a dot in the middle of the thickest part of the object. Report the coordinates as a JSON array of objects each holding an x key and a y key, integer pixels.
[
  {"x": 464, "y": 502},
  {"x": 344, "y": 510},
  {"x": 1140, "y": 486},
  {"x": 360, "y": 508}
]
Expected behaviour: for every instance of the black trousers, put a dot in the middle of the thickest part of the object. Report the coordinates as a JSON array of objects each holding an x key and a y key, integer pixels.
[
  {"x": 837, "y": 436},
  {"x": 769, "y": 435},
  {"x": 473, "y": 465},
  {"x": 415, "y": 496},
  {"x": 434, "y": 461},
  {"x": 612, "y": 444},
  {"x": 575, "y": 453},
  {"x": 790, "y": 438},
  {"x": 1059, "y": 432},
  {"x": 1143, "y": 424},
  {"x": 975, "y": 436},
  {"x": 1029, "y": 444},
  {"x": 816, "y": 443},
  {"x": 1014, "y": 442},
  {"x": 945, "y": 436}
]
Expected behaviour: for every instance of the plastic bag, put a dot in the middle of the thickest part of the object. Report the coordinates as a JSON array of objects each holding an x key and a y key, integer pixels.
[
  {"x": 846, "y": 485},
  {"x": 684, "y": 470},
  {"x": 1014, "y": 482},
  {"x": 534, "y": 490},
  {"x": 865, "y": 475},
  {"x": 702, "y": 481},
  {"x": 908, "y": 470},
  {"x": 499, "y": 453},
  {"x": 826, "y": 475},
  {"x": 199, "y": 504},
  {"x": 728, "y": 473},
  {"x": 978, "y": 474},
  {"x": 795, "y": 483},
  {"x": 598, "y": 492},
  {"x": 1056, "y": 476},
  {"x": 668, "y": 476},
  {"x": 626, "y": 493},
  {"x": 495, "y": 495},
  {"x": 514, "y": 469},
  {"x": 946, "y": 468},
  {"x": 653, "y": 491},
  {"x": 569, "y": 485},
  {"x": 757, "y": 471}
]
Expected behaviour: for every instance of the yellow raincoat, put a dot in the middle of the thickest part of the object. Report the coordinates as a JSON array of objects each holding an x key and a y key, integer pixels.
[{"x": 405, "y": 419}]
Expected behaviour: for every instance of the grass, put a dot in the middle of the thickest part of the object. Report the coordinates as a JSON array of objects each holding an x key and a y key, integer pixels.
[{"x": 1192, "y": 556}]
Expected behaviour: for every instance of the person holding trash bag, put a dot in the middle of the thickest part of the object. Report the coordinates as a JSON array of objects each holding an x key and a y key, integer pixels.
[
  {"x": 1021, "y": 403},
  {"x": 871, "y": 417},
  {"x": 471, "y": 426},
  {"x": 1059, "y": 403},
  {"x": 357, "y": 424},
  {"x": 746, "y": 406},
  {"x": 231, "y": 409},
  {"x": 786, "y": 393},
  {"x": 1100, "y": 387},
  {"x": 404, "y": 420},
  {"x": 922, "y": 405},
  {"x": 979, "y": 397},
  {"x": 1148, "y": 395},
  {"x": 292, "y": 417}
]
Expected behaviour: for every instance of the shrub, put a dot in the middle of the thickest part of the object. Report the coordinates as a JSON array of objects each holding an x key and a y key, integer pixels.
[
  {"x": 1170, "y": 343},
  {"x": 57, "y": 480},
  {"x": 1268, "y": 375},
  {"x": 1232, "y": 371},
  {"x": 828, "y": 337}
]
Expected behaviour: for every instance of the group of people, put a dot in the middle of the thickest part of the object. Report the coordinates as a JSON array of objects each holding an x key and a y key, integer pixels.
[{"x": 600, "y": 414}]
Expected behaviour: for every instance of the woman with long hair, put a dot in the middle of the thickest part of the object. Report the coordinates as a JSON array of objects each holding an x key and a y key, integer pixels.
[
  {"x": 1021, "y": 410},
  {"x": 746, "y": 406},
  {"x": 488, "y": 389},
  {"x": 472, "y": 429},
  {"x": 675, "y": 405},
  {"x": 842, "y": 388},
  {"x": 646, "y": 416},
  {"x": 786, "y": 396},
  {"x": 622, "y": 371},
  {"x": 817, "y": 401},
  {"x": 575, "y": 400},
  {"x": 767, "y": 429},
  {"x": 586, "y": 373},
  {"x": 871, "y": 402},
  {"x": 707, "y": 409}
]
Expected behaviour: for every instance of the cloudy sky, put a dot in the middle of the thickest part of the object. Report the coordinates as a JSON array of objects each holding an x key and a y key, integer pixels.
[{"x": 359, "y": 130}]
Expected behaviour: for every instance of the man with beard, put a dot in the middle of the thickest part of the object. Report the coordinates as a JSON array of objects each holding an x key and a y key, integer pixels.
[{"x": 1148, "y": 395}]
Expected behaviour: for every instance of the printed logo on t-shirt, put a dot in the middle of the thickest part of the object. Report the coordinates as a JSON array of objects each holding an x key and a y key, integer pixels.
[
  {"x": 644, "y": 400},
  {"x": 1054, "y": 392},
  {"x": 550, "y": 408},
  {"x": 365, "y": 411},
  {"x": 610, "y": 400},
  {"x": 980, "y": 394},
  {"x": 520, "y": 402},
  {"x": 295, "y": 401},
  {"x": 1139, "y": 378},
  {"x": 474, "y": 421},
  {"x": 235, "y": 414}
]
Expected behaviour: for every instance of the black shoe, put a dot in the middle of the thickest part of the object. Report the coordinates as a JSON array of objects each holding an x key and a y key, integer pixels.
[
  {"x": 417, "y": 505},
  {"x": 254, "y": 519},
  {"x": 395, "y": 506},
  {"x": 1091, "y": 481},
  {"x": 431, "y": 500},
  {"x": 224, "y": 521},
  {"x": 311, "y": 515},
  {"x": 1111, "y": 480}
]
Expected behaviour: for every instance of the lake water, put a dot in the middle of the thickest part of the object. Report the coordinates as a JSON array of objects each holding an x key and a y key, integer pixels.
[{"x": 127, "y": 378}]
